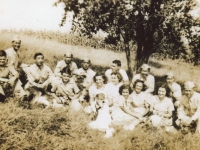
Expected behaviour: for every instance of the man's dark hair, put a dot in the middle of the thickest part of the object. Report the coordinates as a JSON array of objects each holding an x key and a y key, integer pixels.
[
  {"x": 66, "y": 70},
  {"x": 118, "y": 62},
  {"x": 38, "y": 54},
  {"x": 3, "y": 53}
]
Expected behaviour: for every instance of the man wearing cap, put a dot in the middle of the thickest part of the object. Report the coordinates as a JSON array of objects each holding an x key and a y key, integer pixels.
[
  {"x": 189, "y": 110},
  {"x": 116, "y": 67},
  {"x": 86, "y": 74},
  {"x": 13, "y": 58},
  {"x": 148, "y": 79},
  {"x": 66, "y": 62}
]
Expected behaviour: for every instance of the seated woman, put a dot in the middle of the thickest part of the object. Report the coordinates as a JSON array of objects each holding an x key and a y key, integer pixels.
[
  {"x": 9, "y": 83},
  {"x": 137, "y": 105},
  {"x": 99, "y": 86},
  {"x": 67, "y": 91},
  {"x": 38, "y": 77},
  {"x": 162, "y": 108},
  {"x": 113, "y": 87}
]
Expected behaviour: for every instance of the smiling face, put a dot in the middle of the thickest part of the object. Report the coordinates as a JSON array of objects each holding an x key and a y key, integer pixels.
[
  {"x": 189, "y": 92},
  {"x": 39, "y": 60},
  {"x": 16, "y": 44},
  {"x": 68, "y": 58},
  {"x": 65, "y": 77},
  {"x": 3, "y": 60},
  {"x": 161, "y": 93},
  {"x": 138, "y": 87},
  {"x": 114, "y": 67},
  {"x": 99, "y": 81},
  {"x": 125, "y": 93},
  {"x": 114, "y": 79},
  {"x": 170, "y": 80},
  {"x": 86, "y": 65}
]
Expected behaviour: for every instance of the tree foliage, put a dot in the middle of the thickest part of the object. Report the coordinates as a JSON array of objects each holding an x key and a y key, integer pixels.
[{"x": 153, "y": 25}]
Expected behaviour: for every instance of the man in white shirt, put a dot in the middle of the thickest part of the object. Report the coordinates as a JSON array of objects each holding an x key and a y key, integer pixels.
[
  {"x": 148, "y": 79},
  {"x": 66, "y": 62},
  {"x": 13, "y": 59},
  {"x": 189, "y": 110},
  {"x": 84, "y": 76},
  {"x": 116, "y": 67},
  {"x": 175, "y": 88}
]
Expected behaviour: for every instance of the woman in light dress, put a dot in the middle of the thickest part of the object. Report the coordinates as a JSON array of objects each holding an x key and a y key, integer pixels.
[
  {"x": 99, "y": 86},
  {"x": 162, "y": 108},
  {"x": 134, "y": 106}
]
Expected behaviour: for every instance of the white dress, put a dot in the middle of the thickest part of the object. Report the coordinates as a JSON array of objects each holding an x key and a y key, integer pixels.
[
  {"x": 119, "y": 117},
  {"x": 164, "y": 106},
  {"x": 103, "y": 119}
]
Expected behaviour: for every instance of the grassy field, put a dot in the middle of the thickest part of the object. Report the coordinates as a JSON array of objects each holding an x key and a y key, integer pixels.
[{"x": 33, "y": 128}]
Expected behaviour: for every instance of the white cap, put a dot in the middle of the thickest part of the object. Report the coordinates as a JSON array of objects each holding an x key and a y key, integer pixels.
[
  {"x": 145, "y": 67},
  {"x": 188, "y": 85},
  {"x": 16, "y": 38},
  {"x": 86, "y": 59},
  {"x": 68, "y": 53},
  {"x": 170, "y": 74}
]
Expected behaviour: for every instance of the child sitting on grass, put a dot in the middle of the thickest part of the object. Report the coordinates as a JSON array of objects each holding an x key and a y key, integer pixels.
[
  {"x": 101, "y": 109},
  {"x": 67, "y": 91}
]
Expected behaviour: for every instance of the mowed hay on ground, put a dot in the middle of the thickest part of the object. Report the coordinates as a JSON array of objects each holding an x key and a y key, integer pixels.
[{"x": 49, "y": 129}]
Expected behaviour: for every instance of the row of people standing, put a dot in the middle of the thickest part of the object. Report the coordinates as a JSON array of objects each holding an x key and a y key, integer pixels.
[{"x": 77, "y": 89}]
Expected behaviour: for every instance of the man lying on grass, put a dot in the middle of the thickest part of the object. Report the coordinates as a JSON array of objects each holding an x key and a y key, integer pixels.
[
  {"x": 67, "y": 91},
  {"x": 189, "y": 110},
  {"x": 9, "y": 83}
]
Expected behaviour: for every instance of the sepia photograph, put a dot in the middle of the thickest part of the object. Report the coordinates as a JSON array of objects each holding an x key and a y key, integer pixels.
[{"x": 100, "y": 74}]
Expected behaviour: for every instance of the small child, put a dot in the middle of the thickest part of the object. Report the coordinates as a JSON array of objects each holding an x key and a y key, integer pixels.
[{"x": 103, "y": 120}]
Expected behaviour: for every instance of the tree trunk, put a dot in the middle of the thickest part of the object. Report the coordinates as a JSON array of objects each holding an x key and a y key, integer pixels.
[{"x": 129, "y": 61}]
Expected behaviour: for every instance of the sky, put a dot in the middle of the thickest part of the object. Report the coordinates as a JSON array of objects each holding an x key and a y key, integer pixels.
[
  {"x": 31, "y": 14},
  {"x": 37, "y": 15}
]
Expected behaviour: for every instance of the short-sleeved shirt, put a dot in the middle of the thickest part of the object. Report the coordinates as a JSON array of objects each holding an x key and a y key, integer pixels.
[
  {"x": 176, "y": 90},
  {"x": 121, "y": 71},
  {"x": 166, "y": 105},
  {"x": 62, "y": 64},
  {"x": 12, "y": 56},
  {"x": 93, "y": 90},
  {"x": 5, "y": 71},
  {"x": 113, "y": 90},
  {"x": 69, "y": 89},
  {"x": 40, "y": 75},
  {"x": 190, "y": 106},
  {"x": 88, "y": 73},
  {"x": 149, "y": 82}
]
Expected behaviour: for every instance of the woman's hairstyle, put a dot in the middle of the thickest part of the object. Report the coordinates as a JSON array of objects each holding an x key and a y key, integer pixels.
[
  {"x": 140, "y": 81},
  {"x": 103, "y": 76},
  {"x": 121, "y": 88},
  {"x": 38, "y": 54},
  {"x": 3, "y": 53},
  {"x": 165, "y": 86},
  {"x": 119, "y": 76},
  {"x": 66, "y": 70}
]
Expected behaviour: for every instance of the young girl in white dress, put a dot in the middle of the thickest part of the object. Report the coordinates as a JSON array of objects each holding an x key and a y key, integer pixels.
[{"x": 103, "y": 120}]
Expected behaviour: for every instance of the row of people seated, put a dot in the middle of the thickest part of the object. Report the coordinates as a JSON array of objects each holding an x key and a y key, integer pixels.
[{"x": 68, "y": 84}]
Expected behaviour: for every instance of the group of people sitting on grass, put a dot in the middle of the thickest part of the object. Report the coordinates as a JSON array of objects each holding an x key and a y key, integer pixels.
[{"x": 111, "y": 97}]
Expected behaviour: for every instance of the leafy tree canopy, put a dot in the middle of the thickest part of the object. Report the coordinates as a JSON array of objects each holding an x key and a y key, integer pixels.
[{"x": 153, "y": 25}]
